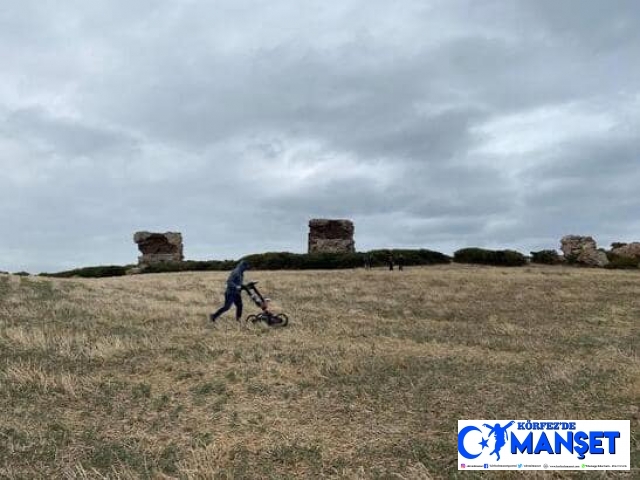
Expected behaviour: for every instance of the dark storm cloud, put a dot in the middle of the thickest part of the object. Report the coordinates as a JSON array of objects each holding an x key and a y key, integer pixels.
[{"x": 435, "y": 124}]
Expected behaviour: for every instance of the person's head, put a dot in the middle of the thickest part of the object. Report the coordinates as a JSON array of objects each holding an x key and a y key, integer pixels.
[{"x": 243, "y": 265}]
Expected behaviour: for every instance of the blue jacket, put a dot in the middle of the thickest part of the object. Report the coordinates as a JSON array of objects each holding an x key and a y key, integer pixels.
[{"x": 236, "y": 277}]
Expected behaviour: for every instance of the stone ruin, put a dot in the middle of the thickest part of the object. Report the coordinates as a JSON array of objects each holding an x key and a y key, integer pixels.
[
  {"x": 583, "y": 251},
  {"x": 159, "y": 247},
  {"x": 331, "y": 236},
  {"x": 626, "y": 250}
]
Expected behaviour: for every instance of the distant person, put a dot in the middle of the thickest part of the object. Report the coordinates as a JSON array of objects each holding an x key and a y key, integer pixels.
[
  {"x": 390, "y": 261},
  {"x": 367, "y": 261},
  {"x": 400, "y": 262},
  {"x": 232, "y": 294}
]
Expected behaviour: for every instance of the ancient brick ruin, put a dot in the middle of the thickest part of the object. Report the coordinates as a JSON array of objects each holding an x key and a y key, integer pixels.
[
  {"x": 331, "y": 236},
  {"x": 626, "y": 250},
  {"x": 159, "y": 247},
  {"x": 583, "y": 251}
]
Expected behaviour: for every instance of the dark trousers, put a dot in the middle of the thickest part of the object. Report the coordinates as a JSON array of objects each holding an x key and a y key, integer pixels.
[{"x": 231, "y": 297}]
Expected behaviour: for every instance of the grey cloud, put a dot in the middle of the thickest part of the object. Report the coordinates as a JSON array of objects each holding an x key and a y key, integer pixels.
[
  {"x": 236, "y": 122},
  {"x": 66, "y": 137}
]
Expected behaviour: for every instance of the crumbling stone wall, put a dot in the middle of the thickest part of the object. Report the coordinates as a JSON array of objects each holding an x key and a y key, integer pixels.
[
  {"x": 583, "y": 250},
  {"x": 626, "y": 250},
  {"x": 159, "y": 247},
  {"x": 331, "y": 236}
]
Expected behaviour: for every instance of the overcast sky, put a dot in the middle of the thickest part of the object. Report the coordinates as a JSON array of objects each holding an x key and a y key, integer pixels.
[{"x": 435, "y": 124}]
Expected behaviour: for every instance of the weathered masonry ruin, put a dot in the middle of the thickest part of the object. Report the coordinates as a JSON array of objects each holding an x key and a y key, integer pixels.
[
  {"x": 159, "y": 247},
  {"x": 331, "y": 236}
]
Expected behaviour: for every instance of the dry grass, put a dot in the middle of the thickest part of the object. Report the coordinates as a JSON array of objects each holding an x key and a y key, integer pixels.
[{"x": 124, "y": 378}]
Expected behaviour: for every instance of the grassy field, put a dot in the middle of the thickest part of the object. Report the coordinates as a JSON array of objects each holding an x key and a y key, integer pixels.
[{"x": 124, "y": 378}]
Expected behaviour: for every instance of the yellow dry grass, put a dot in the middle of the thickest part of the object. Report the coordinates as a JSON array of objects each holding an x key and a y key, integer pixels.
[{"x": 125, "y": 378}]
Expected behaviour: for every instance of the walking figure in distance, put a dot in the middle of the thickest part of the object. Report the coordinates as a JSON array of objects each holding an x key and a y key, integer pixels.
[
  {"x": 400, "y": 262},
  {"x": 232, "y": 295},
  {"x": 390, "y": 261}
]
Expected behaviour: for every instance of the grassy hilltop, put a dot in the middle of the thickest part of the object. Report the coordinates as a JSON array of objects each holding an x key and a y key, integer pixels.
[{"x": 123, "y": 377}]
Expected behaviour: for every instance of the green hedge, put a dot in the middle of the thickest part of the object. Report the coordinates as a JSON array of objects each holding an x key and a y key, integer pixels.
[
  {"x": 91, "y": 272},
  {"x": 190, "y": 266},
  {"x": 619, "y": 262},
  {"x": 481, "y": 256},
  {"x": 546, "y": 257},
  {"x": 328, "y": 261},
  {"x": 409, "y": 257},
  {"x": 273, "y": 261},
  {"x": 296, "y": 261}
]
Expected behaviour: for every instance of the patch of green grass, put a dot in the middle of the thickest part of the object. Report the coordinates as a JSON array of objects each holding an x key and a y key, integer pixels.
[
  {"x": 141, "y": 390},
  {"x": 297, "y": 454},
  {"x": 12, "y": 440},
  {"x": 106, "y": 454},
  {"x": 218, "y": 405},
  {"x": 169, "y": 458},
  {"x": 258, "y": 388},
  {"x": 29, "y": 447},
  {"x": 200, "y": 440},
  {"x": 208, "y": 388},
  {"x": 161, "y": 403},
  {"x": 231, "y": 376}
]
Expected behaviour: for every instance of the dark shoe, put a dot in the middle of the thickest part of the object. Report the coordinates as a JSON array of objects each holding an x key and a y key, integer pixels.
[{"x": 212, "y": 318}]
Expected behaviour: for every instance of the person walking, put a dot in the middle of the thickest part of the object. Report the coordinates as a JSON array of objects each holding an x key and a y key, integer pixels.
[
  {"x": 390, "y": 261},
  {"x": 400, "y": 262},
  {"x": 232, "y": 295},
  {"x": 367, "y": 261}
]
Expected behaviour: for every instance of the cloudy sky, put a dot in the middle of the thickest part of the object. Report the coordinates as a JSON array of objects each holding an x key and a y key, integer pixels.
[{"x": 431, "y": 123}]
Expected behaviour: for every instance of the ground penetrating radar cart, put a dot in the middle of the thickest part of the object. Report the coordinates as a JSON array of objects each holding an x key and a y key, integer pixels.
[{"x": 271, "y": 319}]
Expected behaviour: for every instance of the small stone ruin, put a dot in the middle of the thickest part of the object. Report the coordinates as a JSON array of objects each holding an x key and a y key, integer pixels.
[
  {"x": 583, "y": 251},
  {"x": 626, "y": 250},
  {"x": 331, "y": 236},
  {"x": 159, "y": 247}
]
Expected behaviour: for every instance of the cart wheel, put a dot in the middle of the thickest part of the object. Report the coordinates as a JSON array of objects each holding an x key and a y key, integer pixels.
[{"x": 283, "y": 320}]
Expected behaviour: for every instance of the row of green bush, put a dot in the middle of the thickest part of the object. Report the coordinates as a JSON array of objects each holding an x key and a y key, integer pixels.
[
  {"x": 313, "y": 261},
  {"x": 320, "y": 261},
  {"x": 618, "y": 262},
  {"x": 273, "y": 261},
  {"x": 328, "y": 261},
  {"x": 91, "y": 272},
  {"x": 190, "y": 266},
  {"x": 481, "y": 256},
  {"x": 546, "y": 257}
]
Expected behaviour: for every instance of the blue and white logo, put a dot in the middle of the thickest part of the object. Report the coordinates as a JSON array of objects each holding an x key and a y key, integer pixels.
[{"x": 544, "y": 444}]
